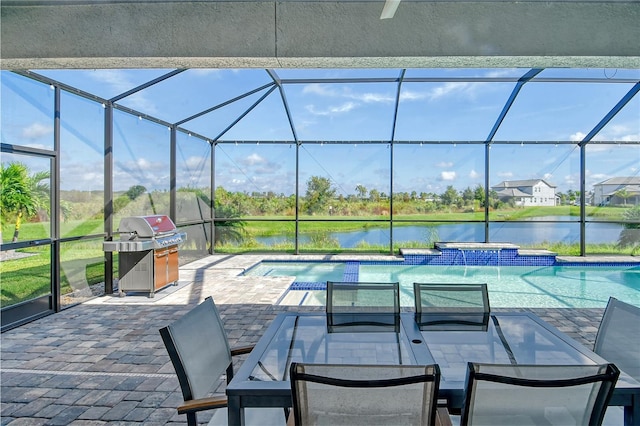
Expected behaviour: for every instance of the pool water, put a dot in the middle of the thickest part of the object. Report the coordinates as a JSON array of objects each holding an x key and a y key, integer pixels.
[
  {"x": 523, "y": 286},
  {"x": 509, "y": 286}
]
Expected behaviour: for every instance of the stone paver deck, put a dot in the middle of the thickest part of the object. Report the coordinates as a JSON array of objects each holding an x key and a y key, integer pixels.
[{"x": 103, "y": 362}]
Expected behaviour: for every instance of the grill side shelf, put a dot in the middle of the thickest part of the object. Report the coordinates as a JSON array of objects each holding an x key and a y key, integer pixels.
[{"x": 127, "y": 246}]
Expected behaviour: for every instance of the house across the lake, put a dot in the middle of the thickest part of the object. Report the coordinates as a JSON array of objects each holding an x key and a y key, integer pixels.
[
  {"x": 617, "y": 190},
  {"x": 526, "y": 193}
]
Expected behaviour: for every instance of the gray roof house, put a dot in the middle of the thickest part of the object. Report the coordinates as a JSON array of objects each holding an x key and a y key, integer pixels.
[
  {"x": 526, "y": 193},
  {"x": 617, "y": 190}
]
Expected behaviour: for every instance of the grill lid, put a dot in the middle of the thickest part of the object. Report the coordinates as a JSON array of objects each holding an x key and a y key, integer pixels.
[{"x": 145, "y": 226}]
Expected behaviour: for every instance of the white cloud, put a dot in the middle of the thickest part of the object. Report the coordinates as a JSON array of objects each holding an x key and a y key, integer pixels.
[
  {"x": 610, "y": 137},
  {"x": 256, "y": 165},
  {"x": 190, "y": 179},
  {"x": 505, "y": 174},
  {"x": 466, "y": 90},
  {"x": 577, "y": 137},
  {"x": 597, "y": 176},
  {"x": 81, "y": 176},
  {"x": 454, "y": 88},
  {"x": 369, "y": 97},
  {"x": 319, "y": 89},
  {"x": 619, "y": 129},
  {"x": 194, "y": 162},
  {"x": 304, "y": 124},
  {"x": 36, "y": 131},
  {"x": 445, "y": 164},
  {"x": 117, "y": 79},
  {"x": 143, "y": 164},
  {"x": 618, "y": 132},
  {"x": 374, "y": 98},
  {"x": 500, "y": 73},
  {"x": 547, "y": 176},
  {"x": 332, "y": 110},
  {"x": 125, "y": 179},
  {"x": 445, "y": 89},
  {"x": 613, "y": 134},
  {"x": 139, "y": 102},
  {"x": 253, "y": 159},
  {"x": 474, "y": 175},
  {"x": 450, "y": 175},
  {"x": 141, "y": 171},
  {"x": 408, "y": 95},
  {"x": 268, "y": 168}
]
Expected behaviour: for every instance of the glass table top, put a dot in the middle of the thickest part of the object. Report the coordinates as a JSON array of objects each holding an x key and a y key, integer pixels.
[
  {"x": 314, "y": 339},
  {"x": 505, "y": 339}
]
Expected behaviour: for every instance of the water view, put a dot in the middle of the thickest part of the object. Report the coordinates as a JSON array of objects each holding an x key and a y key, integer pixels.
[{"x": 531, "y": 233}]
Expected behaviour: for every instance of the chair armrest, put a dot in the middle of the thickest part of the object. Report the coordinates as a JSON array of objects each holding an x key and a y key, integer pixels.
[
  {"x": 291, "y": 421},
  {"x": 241, "y": 350},
  {"x": 442, "y": 417},
  {"x": 201, "y": 404}
]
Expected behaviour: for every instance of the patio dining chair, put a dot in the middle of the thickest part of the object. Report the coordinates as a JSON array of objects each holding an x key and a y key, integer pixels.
[
  {"x": 537, "y": 394},
  {"x": 332, "y": 394},
  {"x": 451, "y": 306},
  {"x": 200, "y": 353},
  {"x": 618, "y": 340},
  {"x": 362, "y": 306}
]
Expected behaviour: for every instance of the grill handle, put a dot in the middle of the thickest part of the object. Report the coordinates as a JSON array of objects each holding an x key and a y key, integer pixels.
[{"x": 132, "y": 234}]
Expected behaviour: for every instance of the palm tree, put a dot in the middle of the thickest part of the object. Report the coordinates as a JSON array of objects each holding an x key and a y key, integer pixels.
[
  {"x": 21, "y": 194},
  {"x": 624, "y": 194},
  {"x": 228, "y": 224},
  {"x": 630, "y": 234},
  {"x": 231, "y": 229}
]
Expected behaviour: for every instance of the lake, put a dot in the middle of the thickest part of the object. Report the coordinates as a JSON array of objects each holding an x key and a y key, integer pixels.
[{"x": 530, "y": 232}]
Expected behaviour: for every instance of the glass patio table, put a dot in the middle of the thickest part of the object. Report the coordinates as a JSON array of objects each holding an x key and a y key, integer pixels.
[{"x": 507, "y": 338}]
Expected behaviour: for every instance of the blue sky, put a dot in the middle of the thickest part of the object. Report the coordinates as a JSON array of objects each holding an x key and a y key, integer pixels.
[{"x": 559, "y": 114}]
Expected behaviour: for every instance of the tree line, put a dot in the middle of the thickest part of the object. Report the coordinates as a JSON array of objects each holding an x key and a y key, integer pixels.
[
  {"x": 321, "y": 198},
  {"x": 24, "y": 196}
]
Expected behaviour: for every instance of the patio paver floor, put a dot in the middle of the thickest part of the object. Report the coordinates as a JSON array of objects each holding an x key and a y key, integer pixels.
[{"x": 103, "y": 362}]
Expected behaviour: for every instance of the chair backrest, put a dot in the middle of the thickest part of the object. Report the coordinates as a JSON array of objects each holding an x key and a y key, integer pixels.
[
  {"x": 361, "y": 297},
  {"x": 451, "y": 307},
  {"x": 363, "y": 307},
  {"x": 451, "y": 298},
  {"x": 330, "y": 394},
  {"x": 537, "y": 394},
  {"x": 198, "y": 348},
  {"x": 618, "y": 339}
]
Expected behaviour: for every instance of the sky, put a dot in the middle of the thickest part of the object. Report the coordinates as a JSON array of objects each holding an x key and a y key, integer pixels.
[{"x": 332, "y": 121}]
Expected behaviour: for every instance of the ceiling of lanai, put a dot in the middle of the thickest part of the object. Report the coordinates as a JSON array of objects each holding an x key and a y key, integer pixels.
[{"x": 40, "y": 34}]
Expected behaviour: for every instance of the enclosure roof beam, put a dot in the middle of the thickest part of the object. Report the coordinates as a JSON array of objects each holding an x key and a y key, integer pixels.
[{"x": 616, "y": 109}]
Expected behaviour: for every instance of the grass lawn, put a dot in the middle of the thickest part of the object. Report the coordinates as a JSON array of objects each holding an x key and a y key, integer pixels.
[{"x": 28, "y": 277}]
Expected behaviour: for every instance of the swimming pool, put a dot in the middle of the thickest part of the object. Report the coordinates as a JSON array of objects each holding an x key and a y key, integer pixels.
[{"x": 509, "y": 286}]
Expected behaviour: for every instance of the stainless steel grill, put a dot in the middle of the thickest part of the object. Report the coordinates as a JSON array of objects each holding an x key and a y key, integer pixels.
[{"x": 148, "y": 248}]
